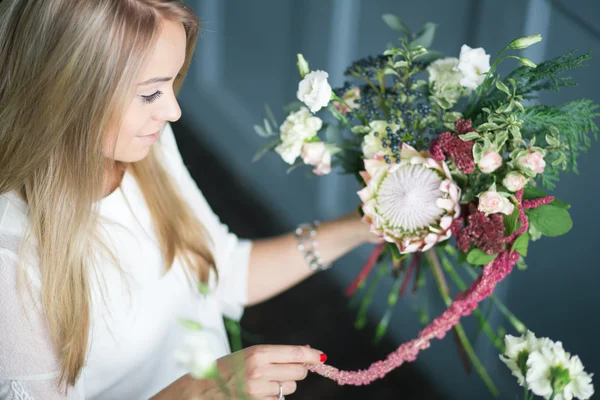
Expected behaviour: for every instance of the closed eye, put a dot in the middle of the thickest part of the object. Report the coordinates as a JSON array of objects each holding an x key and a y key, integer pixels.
[{"x": 152, "y": 97}]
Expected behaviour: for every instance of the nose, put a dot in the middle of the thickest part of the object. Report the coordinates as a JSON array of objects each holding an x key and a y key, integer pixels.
[{"x": 170, "y": 110}]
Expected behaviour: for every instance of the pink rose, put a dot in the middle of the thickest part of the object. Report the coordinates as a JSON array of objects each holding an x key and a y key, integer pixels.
[
  {"x": 490, "y": 161},
  {"x": 316, "y": 154},
  {"x": 514, "y": 181},
  {"x": 533, "y": 161},
  {"x": 492, "y": 202}
]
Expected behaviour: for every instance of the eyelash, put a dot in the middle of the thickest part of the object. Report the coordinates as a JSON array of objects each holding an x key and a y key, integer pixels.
[{"x": 152, "y": 97}]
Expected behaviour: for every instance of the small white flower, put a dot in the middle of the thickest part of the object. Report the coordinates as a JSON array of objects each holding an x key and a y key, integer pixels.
[
  {"x": 533, "y": 162},
  {"x": 514, "y": 181},
  {"x": 473, "y": 64},
  {"x": 297, "y": 128},
  {"x": 316, "y": 154},
  {"x": 314, "y": 90},
  {"x": 197, "y": 355},
  {"x": 489, "y": 162},
  {"x": 492, "y": 202}
]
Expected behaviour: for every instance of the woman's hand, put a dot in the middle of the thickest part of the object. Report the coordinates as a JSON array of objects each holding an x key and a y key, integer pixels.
[
  {"x": 258, "y": 370},
  {"x": 265, "y": 367}
]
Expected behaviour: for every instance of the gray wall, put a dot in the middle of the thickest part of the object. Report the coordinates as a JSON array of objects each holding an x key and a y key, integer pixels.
[{"x": 246, "y": 58}]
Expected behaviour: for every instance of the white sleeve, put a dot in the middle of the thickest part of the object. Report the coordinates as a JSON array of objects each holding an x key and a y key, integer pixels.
[
  {"x": 29, "y": 367},
  {"x": 232, "y": 255}
]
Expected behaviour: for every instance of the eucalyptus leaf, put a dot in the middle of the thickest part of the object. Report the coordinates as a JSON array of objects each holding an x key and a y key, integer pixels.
[
  {"x": 425, "y": 36},
  {"x": 396, "y": 24},
  {"x": 271, "y": 116},
  {"x": 297, "y": 164},
  {"x": 429, "y": 57},
  {"x": 269, "y": 146}
]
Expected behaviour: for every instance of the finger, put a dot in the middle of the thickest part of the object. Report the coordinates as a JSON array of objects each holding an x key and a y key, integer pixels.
[
  {"x": 282, "y": 354},
  {"x": 279, "y": 372},
  {"x": 262, "y": 388}
]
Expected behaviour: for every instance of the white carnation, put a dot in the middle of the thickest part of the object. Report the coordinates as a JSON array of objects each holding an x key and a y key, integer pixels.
[{"x": 297, "y": 128}]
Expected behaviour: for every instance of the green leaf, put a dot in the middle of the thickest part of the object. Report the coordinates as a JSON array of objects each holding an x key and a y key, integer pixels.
[
  {"x": 511, "y": 222},
  {"x": 501, "y": 86},
  {"x": 425, "y": 36},
  {"x": 396, "y": 24},
  {"x": 487, "y": 126},
  {"x": 478, "y": 257},
  {"x": 550, "y": 220},
  {"x": 532, "y": 193},
  {"x": 521, "y": 244},
  {"x": 293, "y": 107},
  {"x": 469, "y": 136},
  {"x": 269, "y": 146},
  {"x": 189, "y": 324}
]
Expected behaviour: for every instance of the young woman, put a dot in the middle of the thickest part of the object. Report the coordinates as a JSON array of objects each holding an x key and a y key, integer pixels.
[{"x": 104, "y": 236}]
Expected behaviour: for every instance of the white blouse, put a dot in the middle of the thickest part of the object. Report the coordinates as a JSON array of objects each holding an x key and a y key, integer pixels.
[{"x": 134, "y": 332}]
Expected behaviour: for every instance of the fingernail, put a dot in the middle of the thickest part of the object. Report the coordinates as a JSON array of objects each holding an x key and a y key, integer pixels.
[{"x": 323, "y": 357}]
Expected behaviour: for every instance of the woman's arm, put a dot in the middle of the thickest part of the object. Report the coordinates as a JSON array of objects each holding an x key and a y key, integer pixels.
[{"x": 276, "y": 264}]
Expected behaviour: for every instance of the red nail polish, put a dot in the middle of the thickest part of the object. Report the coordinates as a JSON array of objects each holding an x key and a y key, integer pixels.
[{"x": 323, "y": 357}]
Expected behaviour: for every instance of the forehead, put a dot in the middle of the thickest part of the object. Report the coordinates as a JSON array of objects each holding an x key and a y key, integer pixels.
[{"x": 168, "y": 55}]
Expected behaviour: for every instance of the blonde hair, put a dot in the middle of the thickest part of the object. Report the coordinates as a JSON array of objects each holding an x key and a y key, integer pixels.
[{"x": 67, "y": 73}]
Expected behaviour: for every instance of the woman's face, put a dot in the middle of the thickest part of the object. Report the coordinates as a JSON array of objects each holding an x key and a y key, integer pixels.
[{"x": 154, "y": 103}]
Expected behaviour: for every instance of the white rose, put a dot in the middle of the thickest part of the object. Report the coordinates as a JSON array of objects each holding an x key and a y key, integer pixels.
[
  {"x": 492, "y": 202},
  {"x": 297, "y": 128},
  {"x": 316, "y": 154},
  {"x": 473, "y": 63},
  {"x": 314, "y": 90},
  {"x": 197, "y": 355},
  {"x": 514, "y": 181},
  {"x": 533, "y": 161},
  {"x": 490, "y": 161}
]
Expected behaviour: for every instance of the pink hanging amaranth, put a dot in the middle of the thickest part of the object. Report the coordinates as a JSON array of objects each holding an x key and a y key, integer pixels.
[{"x": 463, "y": 305}]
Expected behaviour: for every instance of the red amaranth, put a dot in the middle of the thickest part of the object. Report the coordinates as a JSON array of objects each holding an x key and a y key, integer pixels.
[{"x": 449, "y": 144}]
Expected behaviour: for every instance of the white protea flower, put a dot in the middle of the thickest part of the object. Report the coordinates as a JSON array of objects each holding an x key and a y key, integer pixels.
[{"x": 411, "y": 202}]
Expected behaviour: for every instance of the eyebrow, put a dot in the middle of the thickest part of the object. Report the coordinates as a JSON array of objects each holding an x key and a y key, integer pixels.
[{"x": 157, "y": 80}]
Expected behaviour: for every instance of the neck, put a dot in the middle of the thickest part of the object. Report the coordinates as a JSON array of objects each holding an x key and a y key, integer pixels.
[{"x": 113, "y": 176}]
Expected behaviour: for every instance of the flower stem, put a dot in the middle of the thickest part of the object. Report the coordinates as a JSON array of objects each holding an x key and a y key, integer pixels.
[
  {"x": 444, "y": 291},
  {"x": 494, "y": 338}
]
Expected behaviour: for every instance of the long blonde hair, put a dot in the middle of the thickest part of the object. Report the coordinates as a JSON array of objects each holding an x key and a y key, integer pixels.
[{"x": 67, "y": 73}]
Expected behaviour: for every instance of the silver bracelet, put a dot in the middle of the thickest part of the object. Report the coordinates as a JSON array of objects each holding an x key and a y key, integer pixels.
[{"x": 307, "y": 244}]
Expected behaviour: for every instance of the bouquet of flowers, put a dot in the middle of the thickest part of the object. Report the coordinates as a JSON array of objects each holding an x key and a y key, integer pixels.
[{"x": 454, "y": 162}]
